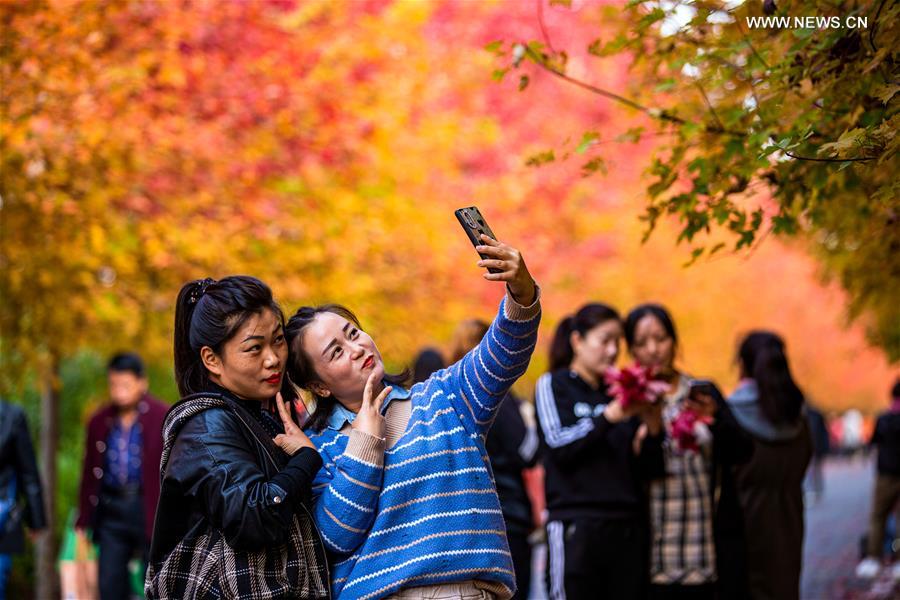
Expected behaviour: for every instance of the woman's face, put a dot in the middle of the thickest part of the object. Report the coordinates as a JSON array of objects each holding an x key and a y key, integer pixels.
[
  {"x": 343, "y": 357},
  {"x": 653, "y": 346},
  {"x": 598, "y": 349},
  {"x": 252, "y": 362}
]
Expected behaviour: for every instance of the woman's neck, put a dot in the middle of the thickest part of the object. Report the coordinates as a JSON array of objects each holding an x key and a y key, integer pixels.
[
  {"x": 355, "y": 405},
  {"x": 589, "y": 377}
]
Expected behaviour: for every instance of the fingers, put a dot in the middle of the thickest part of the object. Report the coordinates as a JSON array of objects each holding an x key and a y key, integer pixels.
[
  {"x": 489, "y": 240},
  {"x": 381, "y": 397},
  {"x": 502, "y": 251},
  {"x": 367, "y": 391},
  {"x": 494, "y": 264},
  {"x": 283, "y": 412}
]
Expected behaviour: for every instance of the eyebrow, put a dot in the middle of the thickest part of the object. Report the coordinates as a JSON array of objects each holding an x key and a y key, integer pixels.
[
  {"x": 334, "y": 341},
  {"x": 260, "y": 337}
]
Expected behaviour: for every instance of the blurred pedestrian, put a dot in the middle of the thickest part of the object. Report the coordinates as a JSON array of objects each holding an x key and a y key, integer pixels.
[
  {"x": 233, "y": 518},
  {"x": 428, "y": 360},
  {"x": 768, "y": 406},
  {"x": 405, "y": 500},
  {"x": 20, "y": 488},
  {"x": 512, "y": 446},
  {"x": 597, "y": 527},
  {"x": 120, "y": 474},
  {"x": 697, "y": 540},
  {"x": 821, "y": 438},
  {"x": 887, "y": 485}
]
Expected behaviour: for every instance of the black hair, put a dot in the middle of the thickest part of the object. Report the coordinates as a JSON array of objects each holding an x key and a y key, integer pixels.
[
  {"x": 895, "y": 391},
  {"x": 588, "y": 316},
  {"x": 427, "y": 362},
  {"x": 300, "y": 369},
  {"x": 209, "y": 313},
  {"x": 657, "y": 311},
  {"x": 126, "y": 362},
  {"x": 763, "y": 359}
]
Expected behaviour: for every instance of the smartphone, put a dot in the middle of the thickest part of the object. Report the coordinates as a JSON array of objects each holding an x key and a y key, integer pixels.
[
  {"x": 474, "y": 225},
  {"x": 702, "y": 386}
]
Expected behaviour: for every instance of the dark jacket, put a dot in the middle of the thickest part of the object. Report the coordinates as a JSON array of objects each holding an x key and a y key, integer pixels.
[
  {"x": 770, "y": 489},
  {"x": 731, "y": 446},
  {"x": 18, "y": 467},
  {"x": 219, "y": 475},
  {"x": 887, "y": 437},
  {"x": 512, "y": 446},
  {"x": 589, "y": 465},
  {"x": 151, "y": 413}
]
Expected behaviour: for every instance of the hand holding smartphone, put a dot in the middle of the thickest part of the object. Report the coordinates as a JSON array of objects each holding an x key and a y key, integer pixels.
[
  {"x": 474, "y": 225},
  {"x": 503, "y": 262}
]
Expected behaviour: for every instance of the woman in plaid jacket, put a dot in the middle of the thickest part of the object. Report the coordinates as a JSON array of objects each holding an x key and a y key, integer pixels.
[
  {"x": 233, "y": 518},
  {"x": 695, "y": 519}
]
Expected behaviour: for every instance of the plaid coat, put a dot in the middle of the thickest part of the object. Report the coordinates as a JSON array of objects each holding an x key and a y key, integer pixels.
[{"x": 223, "y": 529}]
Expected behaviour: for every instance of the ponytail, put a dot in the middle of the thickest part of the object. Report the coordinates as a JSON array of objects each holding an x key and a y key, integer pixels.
[{"x": 561, "y": 353}]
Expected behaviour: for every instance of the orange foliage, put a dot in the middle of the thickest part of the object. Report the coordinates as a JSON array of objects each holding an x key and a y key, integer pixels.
[{"x": 323, "y": 147}]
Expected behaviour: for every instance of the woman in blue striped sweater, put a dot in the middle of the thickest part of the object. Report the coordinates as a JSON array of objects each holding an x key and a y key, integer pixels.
[{"x": 405, "y": 499}]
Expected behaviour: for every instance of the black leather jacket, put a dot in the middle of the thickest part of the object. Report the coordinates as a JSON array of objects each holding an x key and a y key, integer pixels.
[
  {"x": 220, "y": 473},
  {"x": 17, "y": 463}
]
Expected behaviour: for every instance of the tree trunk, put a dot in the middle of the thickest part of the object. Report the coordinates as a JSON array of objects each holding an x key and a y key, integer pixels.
[{"x": 47, "y": 584}]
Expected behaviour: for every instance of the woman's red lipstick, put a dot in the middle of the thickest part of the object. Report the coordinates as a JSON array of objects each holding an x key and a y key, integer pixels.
[
  {"x": 274, "y": 379},
  {"x": 368, "y": 362}
]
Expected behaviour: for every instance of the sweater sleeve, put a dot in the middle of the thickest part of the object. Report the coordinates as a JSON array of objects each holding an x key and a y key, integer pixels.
[
  {"x": 346, "y": 490},
  {"x": 565, "y": 443},
  {"x": 485, "y": 374}
]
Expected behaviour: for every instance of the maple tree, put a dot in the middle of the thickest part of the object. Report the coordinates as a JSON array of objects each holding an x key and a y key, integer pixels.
[
  {"x": 323, "y": 147},
  {"x": 766, "y": 129}
]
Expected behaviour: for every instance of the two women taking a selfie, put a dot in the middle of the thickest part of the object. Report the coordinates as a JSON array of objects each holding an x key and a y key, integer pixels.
[{"x": 392, "y": 484}]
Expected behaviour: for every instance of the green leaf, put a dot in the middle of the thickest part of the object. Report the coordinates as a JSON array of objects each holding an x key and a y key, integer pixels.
[
  {"x": 657, "y": 14},
  {"x": 592, "y": 166},
  {"x": 498, "y": 74},
  {"x": 665, "y": 85},
  {"x": 541, "y": 158},
  {"x": 587, "y": 140},
  {"x": 495, "y": 47},
  {"x": 523, "y": 82},
  {"x": 566, "y": 3},
  {"x": 632, "y": 135}
]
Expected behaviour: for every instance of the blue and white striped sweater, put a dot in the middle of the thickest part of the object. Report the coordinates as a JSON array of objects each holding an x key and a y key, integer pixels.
[{"x": 430, "y": 513}]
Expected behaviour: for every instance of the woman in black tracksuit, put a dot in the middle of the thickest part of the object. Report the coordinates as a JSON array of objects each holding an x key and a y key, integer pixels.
[{"x": 596, "y": 457}]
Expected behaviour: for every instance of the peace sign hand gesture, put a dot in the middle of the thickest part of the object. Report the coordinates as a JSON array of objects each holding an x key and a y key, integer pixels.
[{"x": 293, "y": 437}]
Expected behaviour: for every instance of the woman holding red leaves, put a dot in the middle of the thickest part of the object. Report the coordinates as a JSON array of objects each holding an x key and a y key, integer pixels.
[
  {"x": 598, "y": 452},
  {"x": 696, "y": 548}
]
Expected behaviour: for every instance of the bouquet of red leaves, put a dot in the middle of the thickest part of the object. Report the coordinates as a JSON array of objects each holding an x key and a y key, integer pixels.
[
  {"x": 635, "y": 385},
  {"x": 685, "y": 429}
]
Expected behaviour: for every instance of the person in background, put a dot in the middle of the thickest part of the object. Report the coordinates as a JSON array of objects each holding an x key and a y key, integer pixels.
[
  {"x": 512, "y": 446},
  {"x": 595, "y": 468},
  {"x": 768, "y": 406},
  {"x": 427, "y": 362},
  {"x": 818, "y": 428},
  {"x": 886, "y": 438},
  {"x": 19, "y": 480},
  {"x": 696, "y": 525},
  {"x": 120, "y": 474}
]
